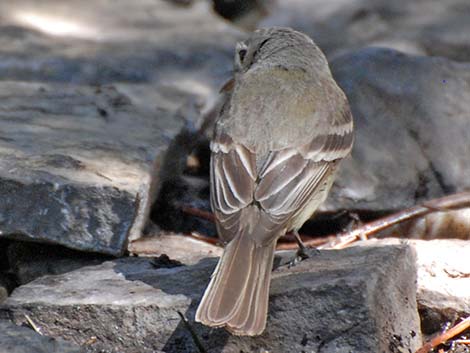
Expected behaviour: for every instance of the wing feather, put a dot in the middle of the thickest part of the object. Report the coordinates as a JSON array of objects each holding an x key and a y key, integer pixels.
[{"x": 284, "y": 184}]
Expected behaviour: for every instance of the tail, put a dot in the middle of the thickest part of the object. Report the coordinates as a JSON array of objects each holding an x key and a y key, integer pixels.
[{"x": 238, "y": 293}]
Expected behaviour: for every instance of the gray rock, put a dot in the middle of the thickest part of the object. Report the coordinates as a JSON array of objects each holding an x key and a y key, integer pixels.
[
  {"x": 411, "y": 116},
  {"x": 16, "y": 339},
  {"x": 78, "y": 165},
  {"x": 157, "y": 53},
  {"x": 28, "y": 261},
  {"x": 181, "y": 247},
  {"x": 115, "y": 41},
  {"x": 340, "y": 301},
  {"x": 416, "y": 27},
  {"x": 443, "y": 278}
]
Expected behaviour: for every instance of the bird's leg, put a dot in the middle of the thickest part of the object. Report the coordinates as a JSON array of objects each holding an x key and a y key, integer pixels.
[{"x": 303, "y": 252}]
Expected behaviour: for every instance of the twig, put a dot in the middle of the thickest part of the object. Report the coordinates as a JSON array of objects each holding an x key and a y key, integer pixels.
[
  {"x": 462, "y": 341},
  {"x": 210, "y": 217},
  {"x": 32, "y": 324},
  {"x": 341, "y": 240},
  {"x": 445, "y": 336},
  {"x": 445, "y": 203},
  {"x": 309, "y": 243},
  {"x": 198, "y": 213},
  {"x": 195, "y": 337},
  {"x": 202, "y": 237}
]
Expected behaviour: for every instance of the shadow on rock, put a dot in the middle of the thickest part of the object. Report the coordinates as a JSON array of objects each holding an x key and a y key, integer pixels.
[{"x": 177, "y": 281}]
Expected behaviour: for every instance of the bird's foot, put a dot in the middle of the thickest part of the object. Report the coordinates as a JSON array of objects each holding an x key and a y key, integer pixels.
[{"x": 302, "y": 254}]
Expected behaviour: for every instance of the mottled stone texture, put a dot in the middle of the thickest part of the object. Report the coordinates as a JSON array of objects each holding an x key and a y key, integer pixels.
[
  {"x": 443, "y": 279},
  {"x": 358, "y": 299},
  {"x": 411, "y": 123},
  {"x": 15, "y": 339},
  {"x": 113, "y": 41},
  {"x": 81, "y": 165},
  {"x": 77, "y": 165}
]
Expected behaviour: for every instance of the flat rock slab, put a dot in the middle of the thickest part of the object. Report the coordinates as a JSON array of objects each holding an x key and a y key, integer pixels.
[
  {"x": 181, "y": 248},
  {"x": 354, "y": 300},
  {"x": 406, "y": 110},
  {"x": 17, "y": 339},
  {"x": 78, "y": 165}
]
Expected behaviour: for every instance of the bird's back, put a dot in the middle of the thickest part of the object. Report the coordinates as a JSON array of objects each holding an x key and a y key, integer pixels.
[{"x": 278, "y": 107}]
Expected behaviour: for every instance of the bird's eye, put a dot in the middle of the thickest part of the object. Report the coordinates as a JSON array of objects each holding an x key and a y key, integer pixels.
[{"x": 242, "y": 54}]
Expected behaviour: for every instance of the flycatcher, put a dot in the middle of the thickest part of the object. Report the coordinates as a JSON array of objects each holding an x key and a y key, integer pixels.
[{"x": 284, "y": 126}]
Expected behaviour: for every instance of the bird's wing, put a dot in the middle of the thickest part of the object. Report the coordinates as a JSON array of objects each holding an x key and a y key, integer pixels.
[
  {"x": 290, "y": 177},
  {"x": 283, "y": 185},
  {"x": 233, "y": 176}
]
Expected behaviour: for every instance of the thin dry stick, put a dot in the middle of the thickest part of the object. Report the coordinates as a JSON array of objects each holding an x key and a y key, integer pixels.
[
  {"x": 446, "y": 203},
  {"x": 311, "y": 243},
  {"x": 202, "y": 237},
  {"x": 32, "y": 324},
  {"x": 198, "y": 213},
  {"x": 462, "y": 341},
  {"x": 445, "y": 336},
  {"x": 193, "y": 333},
  {"x": 210, "y": 217}
]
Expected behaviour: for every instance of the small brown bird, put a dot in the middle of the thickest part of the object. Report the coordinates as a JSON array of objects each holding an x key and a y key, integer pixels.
[{"x": 281, "y": 132}]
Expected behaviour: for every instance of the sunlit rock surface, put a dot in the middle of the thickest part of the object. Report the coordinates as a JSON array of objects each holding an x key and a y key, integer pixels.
[
  {"x": 80, "y": 163},
  {"x": 77, "y": 165},
  {"x": 358, "y": 299}
]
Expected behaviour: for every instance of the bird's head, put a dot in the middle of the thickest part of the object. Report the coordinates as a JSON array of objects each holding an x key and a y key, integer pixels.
[{"x": 277, "y": 45}]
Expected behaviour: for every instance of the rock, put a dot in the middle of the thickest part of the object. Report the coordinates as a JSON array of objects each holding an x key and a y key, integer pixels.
[
  {"x": 443, "y": 279},
  {"x": 28, "y": 261},
  {"x": 357, "y": 299},
  {"x": 117, "y": 302},
  {"x": 416, "y": 27},
  {"x": 17, "y": 339},
  {"x": 78, "y": 165},
  {"x": 180, "y": 247},
  {"x": 156, "y": 52},
  {"x": 116, "y": 41},
  {"x": 407, "y": 109}
]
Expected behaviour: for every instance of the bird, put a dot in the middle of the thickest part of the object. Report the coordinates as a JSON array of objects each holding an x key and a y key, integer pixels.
[{"x": 283, "y": 128}]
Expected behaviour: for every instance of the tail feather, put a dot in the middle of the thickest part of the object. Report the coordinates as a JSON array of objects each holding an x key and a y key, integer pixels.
[{"x": 238, "y": 293}]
